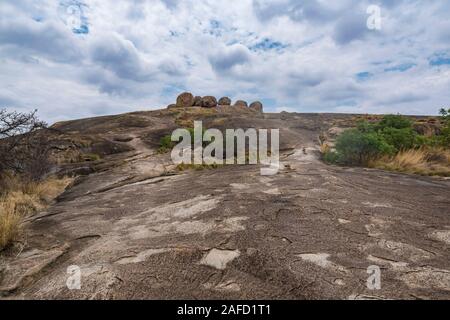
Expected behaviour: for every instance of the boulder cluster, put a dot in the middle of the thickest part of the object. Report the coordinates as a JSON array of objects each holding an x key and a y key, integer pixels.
[{"x": 187, "y": 100}]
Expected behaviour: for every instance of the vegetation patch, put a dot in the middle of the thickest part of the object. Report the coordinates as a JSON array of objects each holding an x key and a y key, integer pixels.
[
  {"x": 392, "y": 143},
  {"x": 26, "y": 164},
  {"x": 198, "y": 167},
  {"x": 20, "y": 197}
]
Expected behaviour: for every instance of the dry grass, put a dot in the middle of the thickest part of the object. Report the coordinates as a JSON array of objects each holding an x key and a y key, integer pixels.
[
  {"x": 10, "y": 223},
  {"x": 198, "y": 167},
  {"x": 324, "y": 148},
  {"x": 20, "y": 199},
  {"x": 425, "y": 161}
]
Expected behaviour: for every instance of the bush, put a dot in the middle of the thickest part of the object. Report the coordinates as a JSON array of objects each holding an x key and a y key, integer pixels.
[
  {"x": 394, "y": 121},
  {"x": 394, "y": 145},
  {"x": 165, "y": 144},
  {"x": 400, "y": 139},
  {"x": 354, "y": 147},
  {"x": 444, "y": 138},
  {"x": 330, "y": 156}
]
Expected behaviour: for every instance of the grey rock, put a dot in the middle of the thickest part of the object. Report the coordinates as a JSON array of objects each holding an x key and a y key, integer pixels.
[
  {"x": 224, "y": 101},
  {"x": 209, "y": 102},
  {"x": 185, "y": 100},
  {"x": 241, "y": 103}
]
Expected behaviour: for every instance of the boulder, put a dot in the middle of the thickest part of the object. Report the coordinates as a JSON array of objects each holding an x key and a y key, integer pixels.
[
  {"x": 185, "y": 100},
  {"x": 209, "y": 102},
  {"x": 224, "y": 101},
  {"x": 171, "y": 106},
  {"x": 257, "y": 106},
  {"x": 197, "y": 101},
  {"x": 241, "y": 103}
]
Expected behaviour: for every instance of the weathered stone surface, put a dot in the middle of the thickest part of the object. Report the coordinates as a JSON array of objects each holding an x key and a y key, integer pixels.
[
  {"x": 142, "y": 229},
  {"x": 171, "y": 106},
  {"x": 209, "y": 102},
  {"x": 256, "y": 106},
  {"x": 224, "y": 101},
  {"x": 240, "y": 103},
  {"x": 185, "y": 100}
]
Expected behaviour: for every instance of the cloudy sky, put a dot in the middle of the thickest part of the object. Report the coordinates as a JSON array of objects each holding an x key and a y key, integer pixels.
[{"x": 73, "y": 59}]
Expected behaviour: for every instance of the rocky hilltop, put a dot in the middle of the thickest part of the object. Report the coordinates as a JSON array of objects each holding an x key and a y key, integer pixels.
[
  {"x": 138, "y": 227},
  {"x": 187, "y": 100}
]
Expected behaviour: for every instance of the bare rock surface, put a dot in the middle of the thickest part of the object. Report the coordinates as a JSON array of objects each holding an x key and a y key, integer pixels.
[{"x": 139, "y": 229}]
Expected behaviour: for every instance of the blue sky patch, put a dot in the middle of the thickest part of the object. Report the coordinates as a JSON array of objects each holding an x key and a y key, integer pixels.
[
  {"x": 171, "y": 90},
  {"x": 268, "y": 44},
  {"x": 401, "y": 67},
  {"x": 439, "y": 59},
  {"x": 215, "y": 28},
  {"x": 363, "y": 76}
]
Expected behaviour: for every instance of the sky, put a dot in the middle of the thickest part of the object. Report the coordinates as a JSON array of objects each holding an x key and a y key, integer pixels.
[{"x": 73, "y": 59}]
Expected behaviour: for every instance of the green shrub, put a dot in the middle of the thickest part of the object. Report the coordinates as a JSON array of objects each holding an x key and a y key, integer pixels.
[
  {"x": 165, "y": 144},
  {"x": 365, "y": 126},
  {"x": 394, "y": 135},
  {"x": 330, "y": 157},
  {"x": 354, "y": 147},
  {"x": 444, "y": 137},
  {"x": 400, "y": 139},
  {"x": 394, "y": 121}
]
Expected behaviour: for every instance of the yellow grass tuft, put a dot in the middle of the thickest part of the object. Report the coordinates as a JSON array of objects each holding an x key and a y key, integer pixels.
[
  {"x": 10, "y": 223},
  {"x": 23, "y": 198},
  {"x": 324, "y": 148},
  {"x": 424, "y": 161}
]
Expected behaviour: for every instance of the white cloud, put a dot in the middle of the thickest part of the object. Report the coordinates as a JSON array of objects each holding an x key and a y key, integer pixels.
[{"x": 295, "y": 55}]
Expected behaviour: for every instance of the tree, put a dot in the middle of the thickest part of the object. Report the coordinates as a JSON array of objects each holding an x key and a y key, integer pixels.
[
  {"x": 22, "y": 148},
  {"x": 444, "y": 113},
  {"x": 444, "y": 138}
]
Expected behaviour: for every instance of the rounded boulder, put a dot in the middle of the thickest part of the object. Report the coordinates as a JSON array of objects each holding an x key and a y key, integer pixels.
[
  {"x": 224, "y": 101},
  {"x": 241, "y": 103},
  {"x": 185, "y": 100},
  {"x": 209, "y": 102},
  {"x": 257, "y": 106}
]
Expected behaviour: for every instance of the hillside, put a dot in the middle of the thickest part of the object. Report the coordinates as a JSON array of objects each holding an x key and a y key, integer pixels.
[{"x": 141, "y": 228}]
